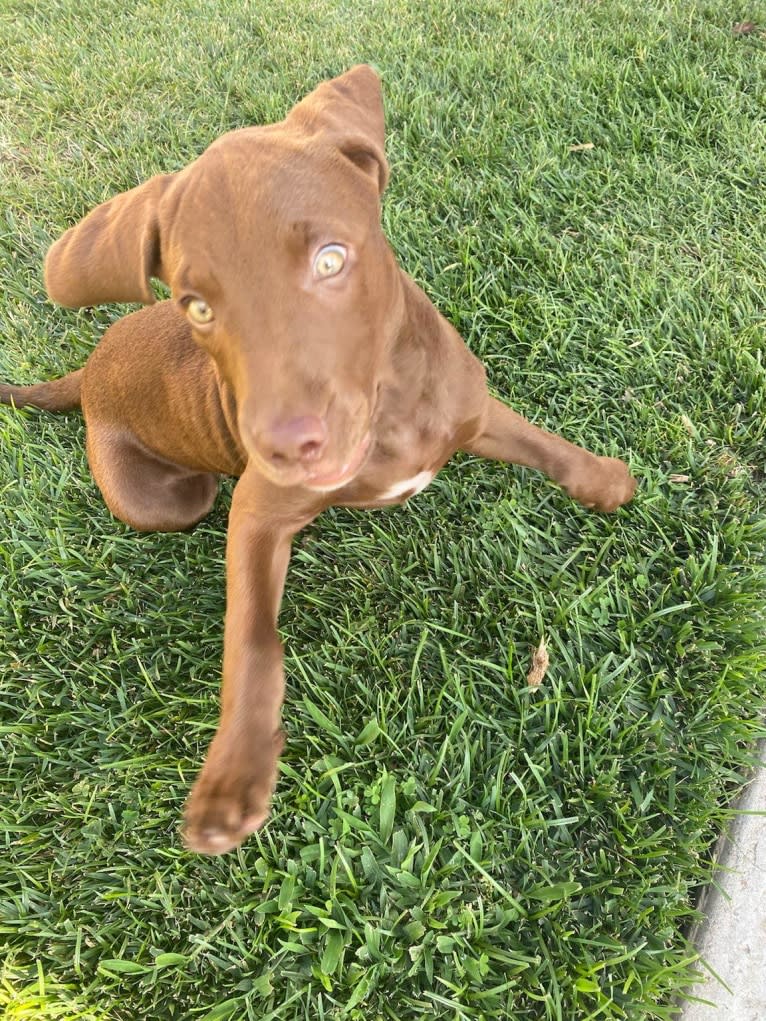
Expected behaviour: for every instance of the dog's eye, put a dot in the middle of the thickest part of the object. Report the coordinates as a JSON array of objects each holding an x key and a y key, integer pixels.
[
  {"x": 199, "y": 311},
  {"x": 329, "y": 261}
]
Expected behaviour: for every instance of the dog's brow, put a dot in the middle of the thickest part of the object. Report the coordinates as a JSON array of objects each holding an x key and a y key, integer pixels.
[
  {"x": 200, "y": 280},
  {"x": 308, "y": 231}
]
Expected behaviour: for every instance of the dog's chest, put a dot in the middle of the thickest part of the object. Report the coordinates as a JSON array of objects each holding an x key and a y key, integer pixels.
[
  {"x": 371, "y": 492},
  {"x": 402, "y": 463},
  {"x": 406, "y": 488}
]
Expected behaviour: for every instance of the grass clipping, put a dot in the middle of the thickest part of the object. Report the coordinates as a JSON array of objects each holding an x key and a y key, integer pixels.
[{"x": 539, "y": 667}]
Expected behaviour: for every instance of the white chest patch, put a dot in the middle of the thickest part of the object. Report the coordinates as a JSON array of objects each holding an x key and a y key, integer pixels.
[{"x": 411, "y": 486}]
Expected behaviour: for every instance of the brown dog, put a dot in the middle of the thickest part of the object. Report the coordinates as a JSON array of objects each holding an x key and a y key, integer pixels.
[{"x": 294, "y": 354}]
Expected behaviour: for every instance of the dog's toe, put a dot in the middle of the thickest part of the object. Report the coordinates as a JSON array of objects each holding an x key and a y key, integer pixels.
[
  {"x": 230, "y": 799},
  {"x": 208, "y": 830},
  {"x": 209, "y": 841},
  {"x": 601, "y": 483}
]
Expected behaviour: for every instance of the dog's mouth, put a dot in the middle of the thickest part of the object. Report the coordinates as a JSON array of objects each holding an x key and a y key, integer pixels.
[
  {"x": 325, "y": 482},
  {"x": 320, "y": 476}
]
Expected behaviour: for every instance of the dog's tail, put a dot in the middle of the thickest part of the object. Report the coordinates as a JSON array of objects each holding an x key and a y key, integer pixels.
[{"x": 57, "y": 395}]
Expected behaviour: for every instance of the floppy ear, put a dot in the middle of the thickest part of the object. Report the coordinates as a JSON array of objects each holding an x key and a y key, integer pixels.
[
  {"x": 349, "y": 111},
  {"x": 112, "y": 253}
]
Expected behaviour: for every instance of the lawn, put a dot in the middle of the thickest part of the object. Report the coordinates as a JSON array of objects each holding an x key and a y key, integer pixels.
[{"x": 578, "y": 186}]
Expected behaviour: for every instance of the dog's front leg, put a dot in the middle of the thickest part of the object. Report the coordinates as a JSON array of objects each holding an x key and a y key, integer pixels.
[
  {"x": 601, "y": 482},
  {"x": 231, "y": 796}
]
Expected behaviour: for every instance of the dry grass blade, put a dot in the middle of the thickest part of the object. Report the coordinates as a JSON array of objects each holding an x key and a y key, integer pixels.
[{"x": 539, "y": 667}]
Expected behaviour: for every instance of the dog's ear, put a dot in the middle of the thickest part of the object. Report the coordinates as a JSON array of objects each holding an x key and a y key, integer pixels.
[
  {"x": 112, "y": 253},
  {"x": 349, "y": 111}
]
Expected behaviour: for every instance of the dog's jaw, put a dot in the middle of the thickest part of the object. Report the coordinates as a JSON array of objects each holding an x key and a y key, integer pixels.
[{"x": 330, "y": 481}]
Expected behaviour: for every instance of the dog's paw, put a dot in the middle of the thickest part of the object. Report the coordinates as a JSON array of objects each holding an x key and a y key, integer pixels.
[
  {"x": 231, "y": 797},
  {"x": 603, "y": 483}
]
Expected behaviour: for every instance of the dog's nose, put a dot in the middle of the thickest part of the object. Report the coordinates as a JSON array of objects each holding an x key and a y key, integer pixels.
[{"x": 294, "y": 439}]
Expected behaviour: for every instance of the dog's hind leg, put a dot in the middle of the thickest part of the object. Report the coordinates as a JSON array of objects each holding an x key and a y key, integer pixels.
[{"x": 142, "y": 489}]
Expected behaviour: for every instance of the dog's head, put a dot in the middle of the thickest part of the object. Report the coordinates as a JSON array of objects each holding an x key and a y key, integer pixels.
[{"x": 272, "y": 246}]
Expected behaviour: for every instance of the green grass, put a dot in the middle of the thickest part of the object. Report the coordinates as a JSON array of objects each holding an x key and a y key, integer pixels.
[{"x": 445, "y": 842}]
